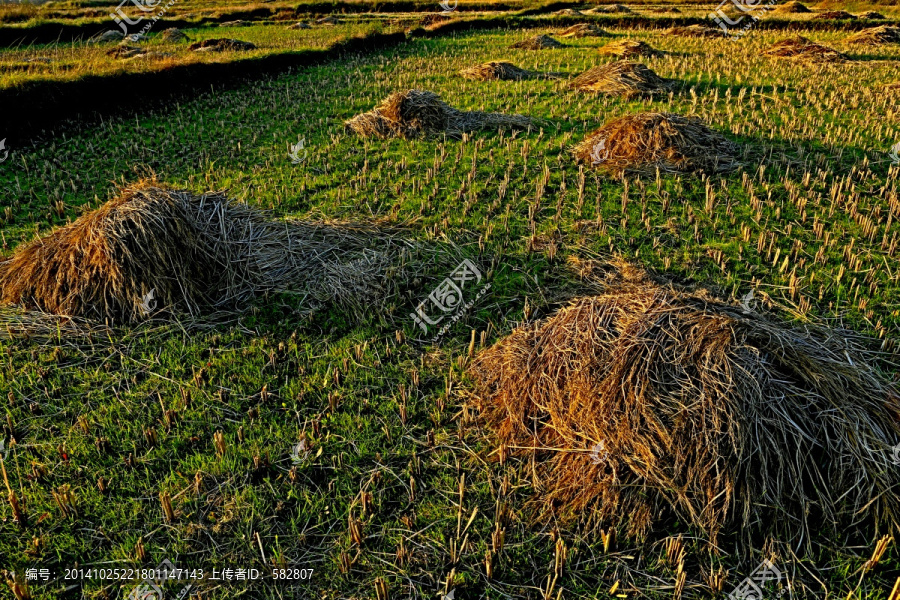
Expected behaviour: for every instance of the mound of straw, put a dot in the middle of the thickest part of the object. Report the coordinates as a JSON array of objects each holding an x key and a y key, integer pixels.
[
  {"x": 695, "y": 31},
  {"x": 153, "y": 248},
  {"x": 792, "y": 7},
  {"x": 415, "y": 113},
  {"x": 173, "y": 34},
  {"x": 583, "y": 30},
  {"x": 629, "y": 49},
  {"x": 876, "y": 35},
  {"x": 645, "y": 404},
  {"x": 498, "y": 71},
  {"x": 612, "y": 8},
  {"x": 872, "y": 16},
  {"x": 538, "y": 42},
  {"x": 836, "y": 15},
  {"x": 645, "y": 142},
  {"x": 621, "y": 78},
  {"x": 221, "y": 45},
  {"x": 800, "y": 48}
]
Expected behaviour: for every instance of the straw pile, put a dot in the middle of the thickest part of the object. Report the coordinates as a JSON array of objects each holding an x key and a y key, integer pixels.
[
  {"x": 498, "y": 71},
  {"x": 621, "y": 78},
  {"x": 221, "y": 45},
  {"x": 584, "y": 30},
  {"x": 414, "y": 113},
  {"x": 835, "y": 15},
  {"x": 872, "y": 16},
  {"x": 173, "y": 35},
  {"x": 876, "y": 35},
  {"x": 792, "y": 7},
  {"x": 154, "y": 248},
  {"x": 800, "y": 48},
  {"x": 645, "y": 142},
  {"x": 695, "y": 31},
  {"x": 645, "y": 404},
  {"x": 538, "y": 42},
  {"x": 629, "y": 49},
  {"x": 612, "y": 8}
]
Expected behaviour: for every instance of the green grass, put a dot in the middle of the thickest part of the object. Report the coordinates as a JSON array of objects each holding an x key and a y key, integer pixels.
[{"x": 340, "y": 382}]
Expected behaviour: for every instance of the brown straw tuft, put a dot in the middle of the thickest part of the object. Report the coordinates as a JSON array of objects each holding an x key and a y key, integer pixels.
[
  {"x": 621, "y": 78},
  {"x": 800, "y": 48},
  {"x": 629, "y": 49}
]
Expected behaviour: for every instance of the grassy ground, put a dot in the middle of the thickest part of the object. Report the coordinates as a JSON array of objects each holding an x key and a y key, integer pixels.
[{"x": 397, "y": 484}]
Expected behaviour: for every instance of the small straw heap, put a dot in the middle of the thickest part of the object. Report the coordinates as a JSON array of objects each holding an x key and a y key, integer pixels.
[
  {"x": 629, "y": 49},
  {"x": 800, "y": 48},
  {"x": 499, "y": 71},
  {"x": 414, "y": 113},
  {"x": 612, "y": 8},
  {"x": 876, "y": 35},
  {"x": 645, "y": 404},
  {"x": 835, "y": 15},
  {"x": 583, "y": 30},
  {"x": 153, "y": 247},
  {"x": 695, "y": 31},
  {"x": 621, "y": 78},
  {"x": 792, "y": 7},
  {"x": 645, "y": 142},
  {"x": 221, "y": 45},
  {"x": 538, "y": 42}
]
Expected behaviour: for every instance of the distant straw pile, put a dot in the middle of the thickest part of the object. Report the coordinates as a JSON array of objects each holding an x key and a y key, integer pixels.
[
  {"x": 695, "y": 31},
  {"x": 415, "y": 113},
  {"x": 583, "y": 30},
  {"x": 621, "y": 78},
  {"x": 872, "y": 16},
  {"x": 835, "y": 15},
  {"x": 629, "y": 49},
  {"x": 876, "y": 35},
  {"x": 800, "y": 48},
  {"x": 153, "y": 248},
  {"x": 538, "y": 42},
  {"x": 792, "y": 7},
  {"x": 645, "y": 404},
  {"x": 221, "y": 45},
  {"x": 612, "y": 8},
  {"x": 498, "y": 71},
  {"x": 644, "y": 142}
]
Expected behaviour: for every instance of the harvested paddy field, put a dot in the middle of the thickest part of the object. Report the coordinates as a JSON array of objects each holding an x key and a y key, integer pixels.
[{"x": 418, "y": 394}]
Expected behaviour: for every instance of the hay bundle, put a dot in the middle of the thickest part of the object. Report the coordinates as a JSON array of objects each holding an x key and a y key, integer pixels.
[
  {"x": 876, "y": 35},
  {"x": 538, "y": 42},
  {"x": 835, "y": 15},
  {"x": 173, "y": 35},
  {"x": 872, "y": 16},
  {"x": 646, "y": 404},
  {"x": 792, "y": 7},
  {"x": 621, "y": 78},
  {"x": 612, "y": 8},
  {"x": 584, "y": 30},
  {"x": 800, "y": 48},
  {"x": 567, "y": 12},
  {"x": 329, "y": 20},
  {"x": 221, "y": 45},
  {"x": 498, "y": 71},
  {"x": 695, "y": 31},
  {"x": 300, "y": 25},
  {"x": 629, "y": 48},
  {"x": 645, "y": 142},
  {"x": 154, "y": 247},
  {"x": 414, "y": 113},
  {"x": 125, "y": 51}
]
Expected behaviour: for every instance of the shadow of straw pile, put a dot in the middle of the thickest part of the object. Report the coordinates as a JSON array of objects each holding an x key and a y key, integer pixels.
[
  {"x": 195, "y": 254},
  {"x": 416, "y": 113},
  {"x": 644, "y": 142},
  {"x": 647, "y": 402}
]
